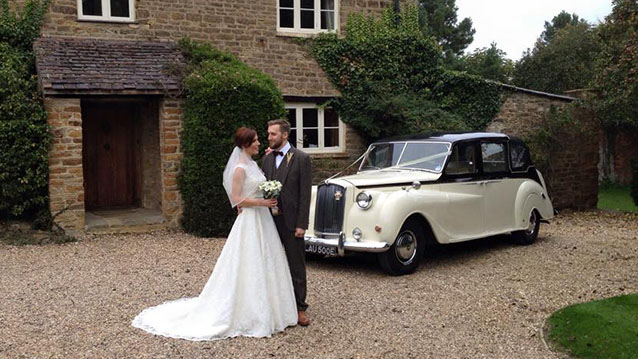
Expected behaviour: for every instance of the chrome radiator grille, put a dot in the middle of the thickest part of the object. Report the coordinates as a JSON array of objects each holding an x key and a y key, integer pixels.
[{"x": 329, "y": 209}]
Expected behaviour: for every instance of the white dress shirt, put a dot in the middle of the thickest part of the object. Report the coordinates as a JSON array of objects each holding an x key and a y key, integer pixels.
[{"x": 283, "y": 150}]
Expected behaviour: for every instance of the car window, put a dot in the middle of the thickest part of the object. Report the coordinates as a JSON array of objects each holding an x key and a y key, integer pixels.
[
  {"x": 519, "y": 156},
  {"x": 462, "y": 160},
  {"x": 427, "y": 156},
  {"x": 494, "y": 159}
]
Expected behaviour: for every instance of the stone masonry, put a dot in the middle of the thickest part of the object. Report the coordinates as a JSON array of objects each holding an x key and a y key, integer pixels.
[
  {"x": 171, "y": 157},
  {"x": 572, "y": 178},
  {"x": 246, "y": 28},
  {"x": 66, "y": 187}
]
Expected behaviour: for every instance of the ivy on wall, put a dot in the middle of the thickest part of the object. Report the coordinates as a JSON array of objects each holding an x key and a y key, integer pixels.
[{"x": 392, "y": 82}]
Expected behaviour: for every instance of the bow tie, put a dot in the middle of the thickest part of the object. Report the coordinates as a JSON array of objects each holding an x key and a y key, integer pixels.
[{"x": 277, "y": 153}]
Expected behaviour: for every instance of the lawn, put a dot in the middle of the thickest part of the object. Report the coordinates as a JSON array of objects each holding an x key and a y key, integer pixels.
[
  {"x": 601, "y": 329},
  {"x": 617, "y": 198}
]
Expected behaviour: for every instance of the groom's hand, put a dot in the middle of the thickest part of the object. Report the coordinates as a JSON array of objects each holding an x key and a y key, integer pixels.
[{"x": 299, "y": 232}]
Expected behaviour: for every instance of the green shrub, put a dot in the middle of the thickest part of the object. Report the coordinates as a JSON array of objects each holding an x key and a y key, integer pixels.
[
  {"x": 222, "y": 94},
  {"x": 392, "y": 81},
  {"x": 634, "y": 181},
  {"x": 24, "y": 135}
]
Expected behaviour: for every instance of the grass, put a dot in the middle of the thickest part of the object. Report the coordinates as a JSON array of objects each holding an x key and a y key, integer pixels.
[
  {"x": 601, "y": 329},
  {"x": 616, "y": 198}
]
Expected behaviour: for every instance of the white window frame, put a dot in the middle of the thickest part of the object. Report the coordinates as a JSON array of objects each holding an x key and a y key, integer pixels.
[
  {"x": 297, "y": 30},
  {"x": 299, "y": 107},
  {"x": 106, "y": 13}
]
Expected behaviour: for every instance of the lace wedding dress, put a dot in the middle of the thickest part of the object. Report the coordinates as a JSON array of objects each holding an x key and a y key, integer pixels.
[{"x": 249, "y": 293}]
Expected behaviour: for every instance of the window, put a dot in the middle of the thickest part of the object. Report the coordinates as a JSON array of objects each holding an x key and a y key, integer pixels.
[
  {"x": 307, "y": 16},
  {"x": 314, "y": 129},
  {"x": 106, "y": 10},
  {"x": 519, "y": 156},
  {"x": 494, "y": 159},
  {"x": 462, "y": 160}
]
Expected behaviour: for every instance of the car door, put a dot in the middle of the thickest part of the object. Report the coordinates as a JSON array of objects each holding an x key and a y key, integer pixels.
[
  {"x": 463, "y": 217},
  {"x": 500, "y": 188}
]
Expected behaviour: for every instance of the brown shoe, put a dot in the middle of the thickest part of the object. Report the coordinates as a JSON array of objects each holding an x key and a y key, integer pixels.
[{"x": 303, "y": 319}]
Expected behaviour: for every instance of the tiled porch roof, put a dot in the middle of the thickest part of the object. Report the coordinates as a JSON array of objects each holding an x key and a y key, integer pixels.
[{"x": 97, "y": 66}]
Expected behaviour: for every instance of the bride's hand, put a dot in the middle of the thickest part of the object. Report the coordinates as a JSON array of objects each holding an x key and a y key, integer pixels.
[
  {"x": 271, "y": 203},
  {"x": 268, "y": 150}
]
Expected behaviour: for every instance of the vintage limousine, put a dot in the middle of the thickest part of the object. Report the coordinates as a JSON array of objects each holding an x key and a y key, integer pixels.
[{"x": 446, "y": 188}]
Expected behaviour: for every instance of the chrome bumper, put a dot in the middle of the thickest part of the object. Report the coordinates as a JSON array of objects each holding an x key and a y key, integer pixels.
[{"x": 342, "y": 245}]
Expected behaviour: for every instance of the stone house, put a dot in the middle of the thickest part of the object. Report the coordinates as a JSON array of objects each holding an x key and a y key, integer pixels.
[{"x": 116, "y": 115}]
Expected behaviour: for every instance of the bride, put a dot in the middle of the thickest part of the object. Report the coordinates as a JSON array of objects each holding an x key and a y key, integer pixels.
[{"x": 250, "y": 291}]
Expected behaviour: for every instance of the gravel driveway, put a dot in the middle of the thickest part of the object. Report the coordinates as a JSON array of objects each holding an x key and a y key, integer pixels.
[{"x": 484, "y": 299}]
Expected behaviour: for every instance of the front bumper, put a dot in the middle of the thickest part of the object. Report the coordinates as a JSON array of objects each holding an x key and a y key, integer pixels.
[{"x": 352, "y": 246}]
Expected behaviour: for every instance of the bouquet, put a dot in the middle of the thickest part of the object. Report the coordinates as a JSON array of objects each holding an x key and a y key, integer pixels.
[{"x": 271, "y": 189}]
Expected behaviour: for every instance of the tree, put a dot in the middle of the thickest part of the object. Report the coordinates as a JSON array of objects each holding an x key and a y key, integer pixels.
[
  {"x": 616, "y": 68},
  {"x": 438, "y": 18},
  {"x": 564, "y": 63},
  {"x": 558, "y": 22},
  {"x": 489, "y": 63}
]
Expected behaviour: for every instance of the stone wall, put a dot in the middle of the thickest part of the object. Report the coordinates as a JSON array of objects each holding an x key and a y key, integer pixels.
[
  {"x": 246, "y": 28},
  {"x": 170, "y": 127},
  {"x": 66, "y": 179},
  {"x": 572, "y": 178}
]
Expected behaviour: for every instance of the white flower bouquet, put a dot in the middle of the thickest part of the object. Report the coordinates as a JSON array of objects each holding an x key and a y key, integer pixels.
[{"x": 271, "y": 189}]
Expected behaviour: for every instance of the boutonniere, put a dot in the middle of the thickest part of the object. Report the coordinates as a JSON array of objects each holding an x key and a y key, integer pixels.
[{"x": 289, "y": 157}]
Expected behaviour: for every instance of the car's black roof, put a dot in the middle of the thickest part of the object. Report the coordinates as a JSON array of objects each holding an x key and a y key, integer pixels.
[{"x": 446, "y": 137}]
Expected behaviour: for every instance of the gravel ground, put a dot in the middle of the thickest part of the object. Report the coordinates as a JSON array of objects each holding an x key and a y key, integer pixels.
[{"x": 483, "y": 299}]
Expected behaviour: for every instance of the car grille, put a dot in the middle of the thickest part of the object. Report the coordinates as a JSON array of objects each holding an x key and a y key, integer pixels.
[{"x": 329, "y": 210}]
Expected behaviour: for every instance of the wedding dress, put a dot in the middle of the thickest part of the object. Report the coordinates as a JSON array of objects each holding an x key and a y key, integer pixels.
[{"x": 250, "y": 291}]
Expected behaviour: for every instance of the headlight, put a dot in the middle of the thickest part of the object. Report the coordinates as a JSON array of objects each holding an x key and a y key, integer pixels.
[{"x": 364, "y": 200}]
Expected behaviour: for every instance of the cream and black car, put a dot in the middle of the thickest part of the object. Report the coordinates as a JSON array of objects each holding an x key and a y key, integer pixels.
[{"x": 446, "y": 188}]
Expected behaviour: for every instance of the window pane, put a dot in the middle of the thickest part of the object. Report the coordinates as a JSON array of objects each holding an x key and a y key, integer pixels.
[
  {"x": 307, "y": 19},
  {"x": 427, "y": 156},
  {"x": 310, "y": 117},
  {"x": 92, "y": 7},
  {"x": 286, "y": 3},
  {"x": 310, "y": 138},
  {"x": 330, "y": 118},
  {"x": 292, "y": 137},
  {"x": 119, "y": 8},
  {"x": 286, "y": 18},
  {"x": 327, "y": 4},
  {"x": 307, "y": 4},
  {"x": 519, "y": 156},
  {"x": 462, "y": 160},
  {"x": 331, "y": 137},
  {"x": 493, "y": 157},
  {"x": 292, "y": 117},
  {"x": 327, "y": 20}
]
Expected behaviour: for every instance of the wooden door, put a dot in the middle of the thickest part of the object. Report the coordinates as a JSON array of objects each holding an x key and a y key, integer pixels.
[{"x": 110, "y": 154}]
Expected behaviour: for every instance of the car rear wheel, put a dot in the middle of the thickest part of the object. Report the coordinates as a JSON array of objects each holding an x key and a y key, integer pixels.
[
  {"x": 528, "y": 235},
  {"x": 404, "y": 255}
]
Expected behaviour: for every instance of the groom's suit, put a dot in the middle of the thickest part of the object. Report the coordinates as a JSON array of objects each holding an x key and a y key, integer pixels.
[{"x": 295, "y": 175}]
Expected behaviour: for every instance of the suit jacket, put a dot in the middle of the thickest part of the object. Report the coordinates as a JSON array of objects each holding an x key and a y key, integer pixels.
[{"x": 295, "y": 175}]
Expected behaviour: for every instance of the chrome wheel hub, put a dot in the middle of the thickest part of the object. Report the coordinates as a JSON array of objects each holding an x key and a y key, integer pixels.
[
  {"x": 532, "y": 223},
  {"x": 405, "y": 248}
]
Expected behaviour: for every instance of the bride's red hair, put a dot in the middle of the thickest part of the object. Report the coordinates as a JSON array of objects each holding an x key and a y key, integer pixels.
[{"x": 244, "y": 137}]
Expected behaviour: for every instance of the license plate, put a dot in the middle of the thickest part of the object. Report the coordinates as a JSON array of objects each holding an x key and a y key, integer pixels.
[{"x": 321, "y": 250}]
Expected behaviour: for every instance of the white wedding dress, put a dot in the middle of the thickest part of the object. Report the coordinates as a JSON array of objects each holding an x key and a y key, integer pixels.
[{"x": 250, "y": 291}]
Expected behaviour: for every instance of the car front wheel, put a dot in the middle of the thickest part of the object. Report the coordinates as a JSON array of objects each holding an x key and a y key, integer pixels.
[
  {"x": 404, "y": 255},
  {"x": 528, "y": 235}
]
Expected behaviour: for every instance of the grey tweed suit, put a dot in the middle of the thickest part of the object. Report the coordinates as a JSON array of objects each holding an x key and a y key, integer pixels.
[{"x": 295, "y": 175}]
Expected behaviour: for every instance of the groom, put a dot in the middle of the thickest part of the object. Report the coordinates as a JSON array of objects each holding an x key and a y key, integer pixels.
[{"x": 292, "y": 168}]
